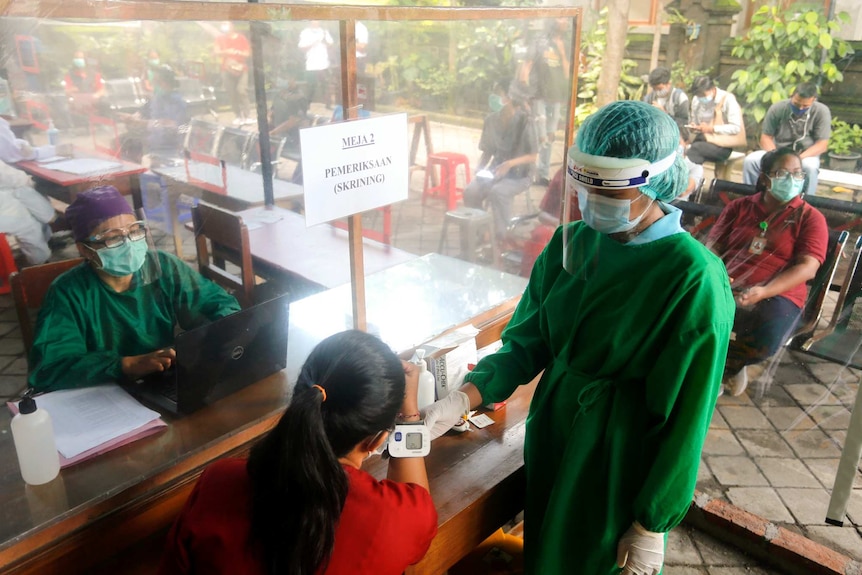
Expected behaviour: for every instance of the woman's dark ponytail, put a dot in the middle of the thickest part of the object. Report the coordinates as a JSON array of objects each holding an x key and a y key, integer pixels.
[{"x": 298, "y": 485}]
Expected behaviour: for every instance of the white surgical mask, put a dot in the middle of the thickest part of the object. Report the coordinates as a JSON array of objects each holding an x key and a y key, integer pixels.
[{"x": 608, "y": 215}]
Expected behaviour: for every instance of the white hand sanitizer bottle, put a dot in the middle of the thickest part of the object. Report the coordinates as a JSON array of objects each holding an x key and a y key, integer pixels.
[
  {"x": 53, "y": 134},
  {"x": 426, "y": 381},
  {"x": 33, "y": 435}
]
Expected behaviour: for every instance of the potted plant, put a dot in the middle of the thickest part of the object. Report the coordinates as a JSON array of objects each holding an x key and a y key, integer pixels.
[{"x": 843, "y": 143}]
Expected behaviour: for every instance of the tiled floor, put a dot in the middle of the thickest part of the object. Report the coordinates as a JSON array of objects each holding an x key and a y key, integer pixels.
[{"x": 772, "y": 451}]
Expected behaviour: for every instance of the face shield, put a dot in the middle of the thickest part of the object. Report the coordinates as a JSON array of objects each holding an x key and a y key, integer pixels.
[
  {"x": 586, "y": 176},
  {"x": 125, "y": 251}
]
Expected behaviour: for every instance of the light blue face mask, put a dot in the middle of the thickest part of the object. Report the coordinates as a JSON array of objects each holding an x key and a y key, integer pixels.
[
  {"x": 124, "y": 259},
  {"x": 608, "y": 215},
  {"x": 786, "y": 188},
  {"x": 705, "y": 99},
  {"x": 78, "y": 62},
  {"x": 495, "y": 102}
]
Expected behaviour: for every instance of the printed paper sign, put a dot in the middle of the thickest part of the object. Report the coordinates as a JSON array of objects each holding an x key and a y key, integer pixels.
[{"x": 352, "y": 167}]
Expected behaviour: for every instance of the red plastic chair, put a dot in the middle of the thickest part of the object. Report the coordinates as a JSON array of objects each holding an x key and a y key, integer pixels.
[
  {"x": 206, "y": 184},
  {"x": 7, "y": 265},
  {"x": 385, "y": 236},
  {"x": 447, "y": 188},
  {"x": 105, "y": 135}
]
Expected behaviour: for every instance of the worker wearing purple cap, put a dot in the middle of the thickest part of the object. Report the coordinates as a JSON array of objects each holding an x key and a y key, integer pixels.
[{"x": 114, "y": 316}]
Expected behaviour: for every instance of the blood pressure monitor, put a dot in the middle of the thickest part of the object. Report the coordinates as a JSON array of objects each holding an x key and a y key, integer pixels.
[{"x": 410, "y": 440}]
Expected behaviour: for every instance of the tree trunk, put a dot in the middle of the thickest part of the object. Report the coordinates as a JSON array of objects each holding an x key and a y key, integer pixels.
[{"x": 612, "y": 60}]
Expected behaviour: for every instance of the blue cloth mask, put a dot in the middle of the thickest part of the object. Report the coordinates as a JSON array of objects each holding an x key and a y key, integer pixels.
[
  {"x": 608, "y": 215},
  {"x": 786, "y": 188},
  {"x": 798, "y": 111},
  {"x": 124, "y": 259},
  {"x": 495, "y": 102}
]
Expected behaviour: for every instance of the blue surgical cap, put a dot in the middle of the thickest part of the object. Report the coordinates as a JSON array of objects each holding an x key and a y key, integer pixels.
[{"x": 629, "y": 129}]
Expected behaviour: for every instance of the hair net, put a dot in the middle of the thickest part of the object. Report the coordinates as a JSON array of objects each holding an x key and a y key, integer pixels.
[
  {"x": 629, "y": 129},
  {"x": 93, "y": 207}
]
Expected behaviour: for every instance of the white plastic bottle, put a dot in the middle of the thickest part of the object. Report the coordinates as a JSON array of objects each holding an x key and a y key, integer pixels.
[
  {"x": 425, "y": 396},
  {"x": 53, "y": 134},
  {"x": 33, "y": 435}
]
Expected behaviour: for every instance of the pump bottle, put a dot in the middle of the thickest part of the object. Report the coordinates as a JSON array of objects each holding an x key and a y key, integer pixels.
[
  {"x": 53, "y": 134},
  {"x": 425, "y": 396},
  {"x": 33, "y": 435}
]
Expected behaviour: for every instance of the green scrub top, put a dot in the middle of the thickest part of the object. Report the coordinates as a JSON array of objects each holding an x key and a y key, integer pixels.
[
  {"x": 85, "y": 328},
  {"x": 633, "y": 348}
]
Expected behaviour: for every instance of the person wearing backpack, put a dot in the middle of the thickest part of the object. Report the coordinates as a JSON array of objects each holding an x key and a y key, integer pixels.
[{"x": 665, "y": 97}]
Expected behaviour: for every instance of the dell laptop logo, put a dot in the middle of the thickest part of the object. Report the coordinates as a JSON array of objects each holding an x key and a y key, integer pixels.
[{"x": 237, "y": 352}]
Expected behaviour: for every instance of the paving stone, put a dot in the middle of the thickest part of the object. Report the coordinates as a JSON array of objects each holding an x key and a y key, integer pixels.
[
  {"x": 812, "y": 394},
  {"x": 11, "y": 346},
  {"x": 775, "y": 396},
  {"x": 854, "y": 507},
  {"x": 762, "y": 501},
  {"x": 17, "y": 367},
  {"x": 824, "y": 470},
  {"x": 680, "y": 549},
  {"x": 838, "y": 436},
  {"x": 736, "y": 471},
  {"x": 786, "y": 472},
  {"x": 830, "y": 416},
  {"x": 808, "y": 506},
  {"x": 811, "y": 443},
  {"x": 764, "y": 443},
  {"x": 683, "y": 570},
  {"x": 718, "y": 421},
  {"x": 744, "y": 417},
  {"x": 829, "y": 373},
  {"x": 703, "y": 472},
  {"x": 743, "y": 399},
  {"x": 743, "y": 570},
  {"x": 721, "y": 442},
  {"x": 7, "y": 327},
  {"x": 715, "y": 552},
  {"x": 786, "y": 418},
  {"x": 844, "y": 539},
  {"x": 847, "y": 393},
  {"x": 11, "y": 386},
  {"x": 8, "y": 315}
]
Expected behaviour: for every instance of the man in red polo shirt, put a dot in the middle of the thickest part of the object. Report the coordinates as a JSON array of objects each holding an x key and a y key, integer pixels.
[
  {"x": 234, "y": 50},
  {"x": 771, "y": 243}
]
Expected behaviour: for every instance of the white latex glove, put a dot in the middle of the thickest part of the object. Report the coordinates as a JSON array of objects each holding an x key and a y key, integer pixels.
[
  {"x": 641, "y": 552},
  {"x": 441, "y": 415}
]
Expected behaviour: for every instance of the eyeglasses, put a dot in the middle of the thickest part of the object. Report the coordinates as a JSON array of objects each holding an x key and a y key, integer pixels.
[
  {"x": 781, "y": 174},
  {"x": 116, "y": 237}
]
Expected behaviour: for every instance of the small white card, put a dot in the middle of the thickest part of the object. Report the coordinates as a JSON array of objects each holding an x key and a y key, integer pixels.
[{"x": 481, "y": 420}]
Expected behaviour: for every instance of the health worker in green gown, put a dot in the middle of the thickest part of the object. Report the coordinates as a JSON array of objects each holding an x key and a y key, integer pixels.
[
  {"x": 627, "y": 318},
  {"x": 114, "y": 316}
]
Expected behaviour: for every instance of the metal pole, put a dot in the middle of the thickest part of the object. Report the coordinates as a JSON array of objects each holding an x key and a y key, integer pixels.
[{"x": 260, "y": 101}]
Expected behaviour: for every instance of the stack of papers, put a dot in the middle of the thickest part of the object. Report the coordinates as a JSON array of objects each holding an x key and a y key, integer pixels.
[
  {"x": 84, "y": 166},
  {"x": 93, "y": 420}
]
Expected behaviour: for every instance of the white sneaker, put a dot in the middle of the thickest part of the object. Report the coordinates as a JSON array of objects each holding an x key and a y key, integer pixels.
[{"x": 736, "y": 384}]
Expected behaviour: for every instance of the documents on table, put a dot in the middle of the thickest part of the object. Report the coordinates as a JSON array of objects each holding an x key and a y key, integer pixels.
[
  {"x": 93, "y": 420},
  {"x": 85, "y": 166}
]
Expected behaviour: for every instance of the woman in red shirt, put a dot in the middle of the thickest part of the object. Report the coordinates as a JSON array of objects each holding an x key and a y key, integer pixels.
[{"x": 301, "y": 503}]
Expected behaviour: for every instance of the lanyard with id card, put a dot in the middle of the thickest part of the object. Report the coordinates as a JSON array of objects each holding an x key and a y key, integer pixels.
[{"x": 758, "y": 243}]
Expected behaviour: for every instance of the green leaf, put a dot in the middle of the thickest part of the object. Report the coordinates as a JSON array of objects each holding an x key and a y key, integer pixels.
[
  {"x": 790, "y": 67},
  {"x": 825, "y": 40},
  {"x": 811, "y": 17}
]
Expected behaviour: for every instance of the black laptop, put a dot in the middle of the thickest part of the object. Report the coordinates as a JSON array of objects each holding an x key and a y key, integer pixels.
[{"x": 220, "y": 358}]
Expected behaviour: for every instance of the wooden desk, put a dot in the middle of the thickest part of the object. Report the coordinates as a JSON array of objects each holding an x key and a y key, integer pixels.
[
  {"x": 318, "y": 255},
  {"x": 98, "y": 509},
  {"x": 65, "y": 186}
]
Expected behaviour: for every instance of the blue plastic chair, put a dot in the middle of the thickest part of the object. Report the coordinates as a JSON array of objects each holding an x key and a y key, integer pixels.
[{"x": 154, "y": 193}]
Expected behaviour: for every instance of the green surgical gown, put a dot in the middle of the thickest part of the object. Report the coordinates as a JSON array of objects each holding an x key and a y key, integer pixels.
[
  {"x": 85, "y": 328},
  {"x": 633, "y": 347}
]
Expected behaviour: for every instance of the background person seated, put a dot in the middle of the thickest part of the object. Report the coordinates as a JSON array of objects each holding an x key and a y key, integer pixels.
[
  {"x": 667, "y": 98},
  {"x": 800, "y": 123},
  {"x": 83, "y": 85},
  {"x": 508, "y": 144},
  {"x": 716, "y": 122},
  {"x": 301, "y": 503},
  {"x": 771, "y": 243},
  {"x": 156, "y": 130},
  {"x": 114, "y": 316},
  {"x": 24, "y": 212}
]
